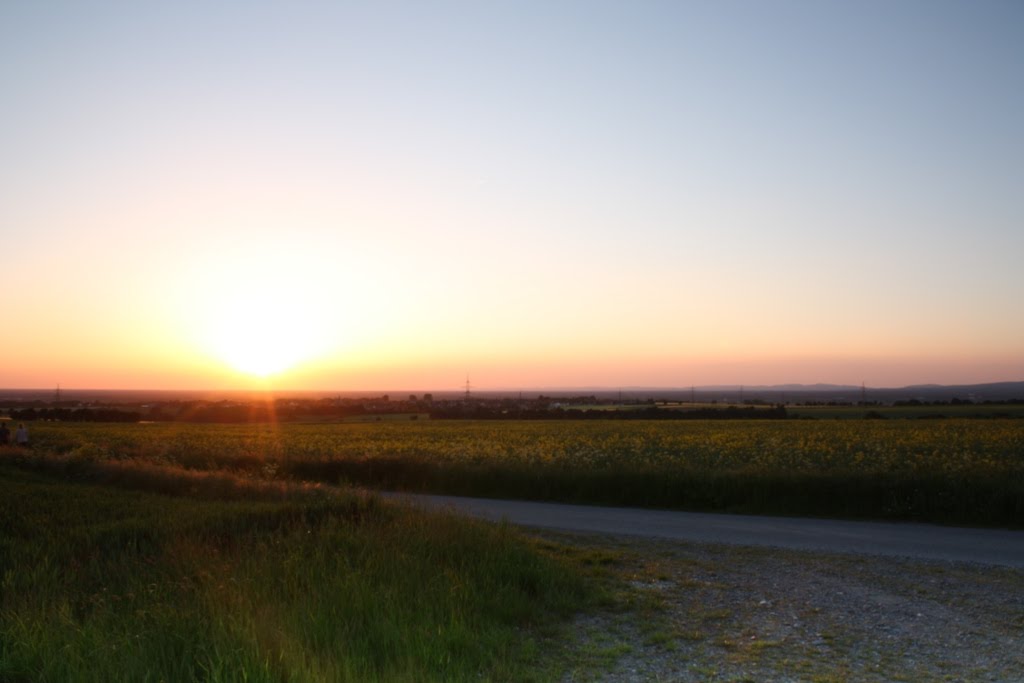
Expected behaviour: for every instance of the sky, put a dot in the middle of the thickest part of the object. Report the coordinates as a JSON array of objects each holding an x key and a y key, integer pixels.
[{"x": 351, "y": 196}]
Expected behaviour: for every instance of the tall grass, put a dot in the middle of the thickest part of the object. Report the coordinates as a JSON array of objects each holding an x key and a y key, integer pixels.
[{"x": 105, "y": 583}]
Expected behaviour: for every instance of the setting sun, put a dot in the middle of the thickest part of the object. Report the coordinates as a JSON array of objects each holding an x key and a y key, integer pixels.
[
  {"x": 257, "y": 338},
  {"x": 264, "y": 262},
  {"x": 668, "y": 194},
  {"x": 257, "y": 312}
]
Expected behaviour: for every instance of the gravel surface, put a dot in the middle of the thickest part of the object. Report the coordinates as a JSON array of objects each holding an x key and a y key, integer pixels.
[
  {"x": 701, "y": 612},
  {"x": 896, "y": 539}
]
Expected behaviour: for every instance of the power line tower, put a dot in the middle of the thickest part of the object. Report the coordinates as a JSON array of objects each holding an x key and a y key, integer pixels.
[
  {"x": 56, "y": 396},
  {"x": 466, "y": 399}
]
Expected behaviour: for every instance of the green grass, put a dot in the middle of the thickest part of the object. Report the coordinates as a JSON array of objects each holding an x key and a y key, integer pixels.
[{"x": 104, "y": 582}]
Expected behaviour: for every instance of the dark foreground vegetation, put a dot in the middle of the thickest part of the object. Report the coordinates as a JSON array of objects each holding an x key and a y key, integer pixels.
[
  {"x": 127, "y": 571},
  {"x": 182, "y": 552},
  {"x": 968, "y": 472},
  {"x": 414, "y": 408}
]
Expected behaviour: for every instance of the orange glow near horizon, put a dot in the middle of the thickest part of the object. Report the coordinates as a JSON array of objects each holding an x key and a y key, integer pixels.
[{"x": 365, "y": 371}]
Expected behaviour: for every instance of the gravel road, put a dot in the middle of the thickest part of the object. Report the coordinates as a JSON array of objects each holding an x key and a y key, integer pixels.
[
  {"x": 919, "y": 541},
  {"x": 735, "y": 598},
  {"x": 769, "y": 615}
]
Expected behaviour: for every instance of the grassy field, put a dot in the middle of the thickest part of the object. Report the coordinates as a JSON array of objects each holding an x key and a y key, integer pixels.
[
  {"x": 219, "y": 578},
  {"x": 950, "y": 471},
  {"x": 168, "y": 552}
]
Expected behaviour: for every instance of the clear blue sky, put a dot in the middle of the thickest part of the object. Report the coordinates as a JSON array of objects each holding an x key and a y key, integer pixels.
[{"x": 543, "y": 194}]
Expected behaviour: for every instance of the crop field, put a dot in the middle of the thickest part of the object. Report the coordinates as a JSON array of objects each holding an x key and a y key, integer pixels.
[{"x": 948, "y": 471}]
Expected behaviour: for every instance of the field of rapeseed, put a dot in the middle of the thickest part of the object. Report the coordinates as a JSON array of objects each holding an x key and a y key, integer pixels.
[{"x": 951, "y": 471}]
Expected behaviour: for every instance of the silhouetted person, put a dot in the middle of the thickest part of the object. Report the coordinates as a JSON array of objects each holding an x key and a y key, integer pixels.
[
  {"x": 21, "y": 436},
  {"x": 5, "y": 434}
]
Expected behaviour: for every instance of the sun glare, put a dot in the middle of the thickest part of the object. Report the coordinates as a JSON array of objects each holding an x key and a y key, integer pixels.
[
  {"x": 261, "y": 336},
  {"x": 270, "y": 306},
  {"x": 258, "y": 315}
]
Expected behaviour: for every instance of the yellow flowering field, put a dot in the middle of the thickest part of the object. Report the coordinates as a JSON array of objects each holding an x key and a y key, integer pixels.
[{"x": 965, "y": 471}]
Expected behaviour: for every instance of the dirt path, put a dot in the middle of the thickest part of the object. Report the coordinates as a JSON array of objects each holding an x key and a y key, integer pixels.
[{"x": 918, "y": 541}]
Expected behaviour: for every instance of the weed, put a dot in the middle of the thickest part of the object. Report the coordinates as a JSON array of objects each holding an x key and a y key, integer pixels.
[{"x": 135, "y": 585}]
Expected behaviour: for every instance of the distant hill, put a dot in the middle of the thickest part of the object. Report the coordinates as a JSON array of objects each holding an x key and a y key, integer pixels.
[{"x": 995, "y": 391}]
